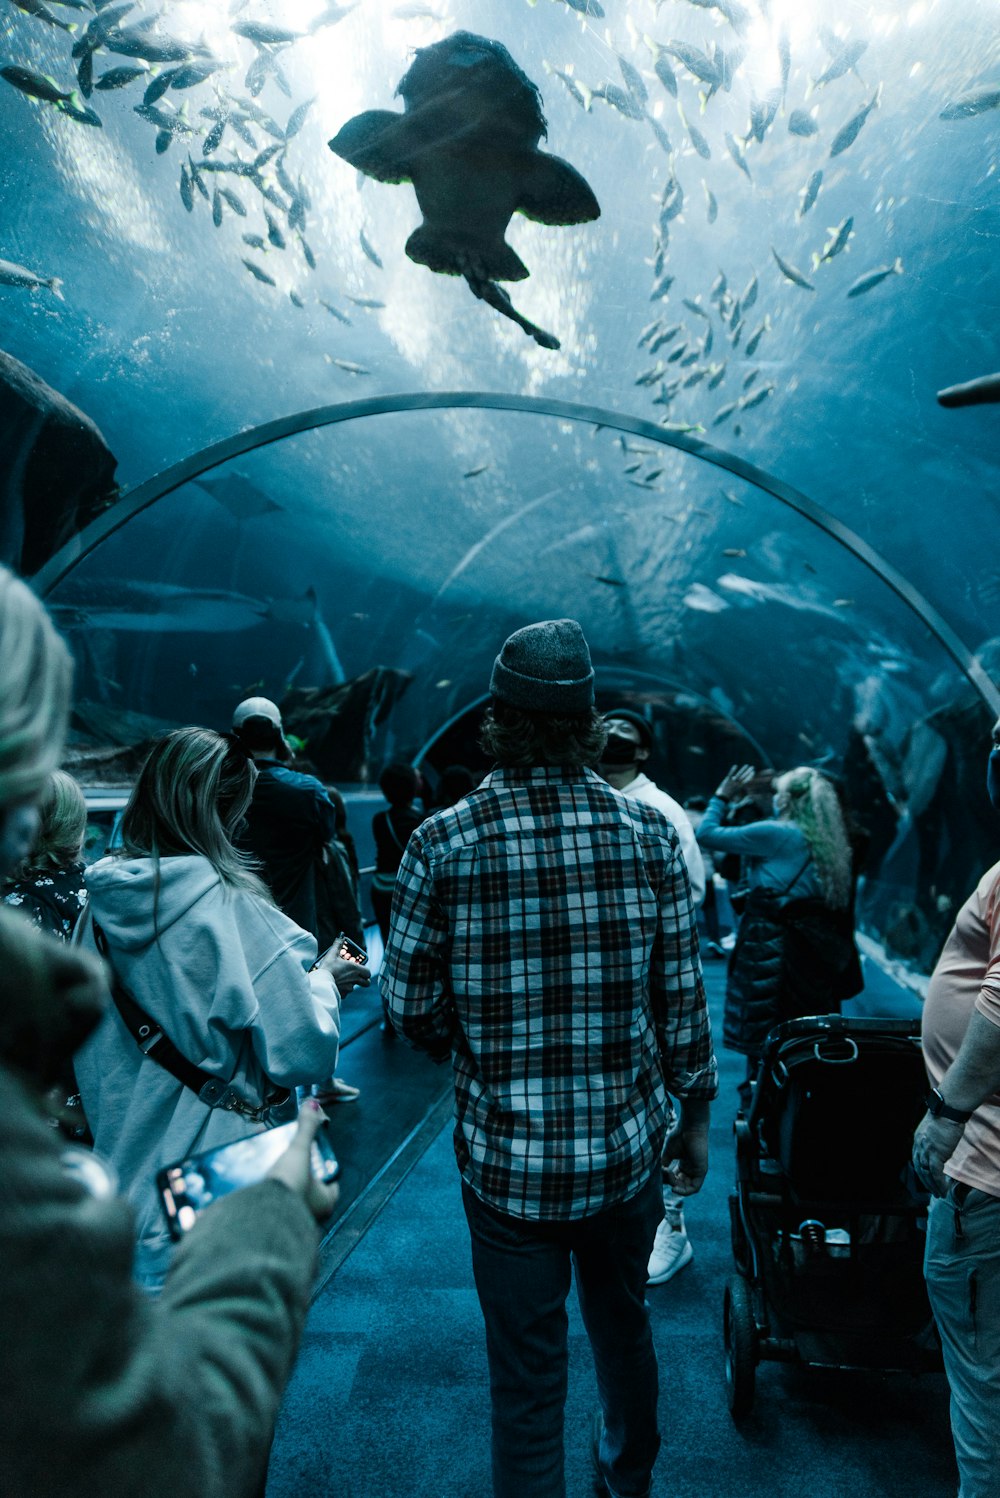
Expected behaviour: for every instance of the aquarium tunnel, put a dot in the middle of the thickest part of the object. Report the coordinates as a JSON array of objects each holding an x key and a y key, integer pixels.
[{"x": 338, "y": 341}]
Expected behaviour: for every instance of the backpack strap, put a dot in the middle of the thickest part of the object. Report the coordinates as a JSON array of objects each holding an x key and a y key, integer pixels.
[{"x": 157, "y": 1045}]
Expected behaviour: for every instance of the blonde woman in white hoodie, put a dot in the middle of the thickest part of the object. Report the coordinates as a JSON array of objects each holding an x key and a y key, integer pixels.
[{"x": 195, "y": 940}]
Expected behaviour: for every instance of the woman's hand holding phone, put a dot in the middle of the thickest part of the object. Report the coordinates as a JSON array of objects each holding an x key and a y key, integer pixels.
[
  {"x": 347, "y": 972},
  {"x": 294, "y": 1168}
]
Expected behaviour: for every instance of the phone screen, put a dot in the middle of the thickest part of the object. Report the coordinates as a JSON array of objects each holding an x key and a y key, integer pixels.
[
  {"x": 346, "y": 948},
  {"x": 191, "y": 1185}
]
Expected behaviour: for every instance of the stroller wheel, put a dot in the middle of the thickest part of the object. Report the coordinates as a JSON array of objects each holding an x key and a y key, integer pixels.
[{"x": 741, "y": 1347}]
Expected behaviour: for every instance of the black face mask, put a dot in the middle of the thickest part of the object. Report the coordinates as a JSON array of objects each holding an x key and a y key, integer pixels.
[{"x": 619, "y": 752}]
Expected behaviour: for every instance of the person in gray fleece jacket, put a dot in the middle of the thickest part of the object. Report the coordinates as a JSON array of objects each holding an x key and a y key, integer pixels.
[
  {"x": 194, "y": 937},
  {"x": 102, "y": 1390}
]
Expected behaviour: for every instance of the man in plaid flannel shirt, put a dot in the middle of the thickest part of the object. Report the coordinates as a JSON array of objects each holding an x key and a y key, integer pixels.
[{"x": 543, "y": 937}]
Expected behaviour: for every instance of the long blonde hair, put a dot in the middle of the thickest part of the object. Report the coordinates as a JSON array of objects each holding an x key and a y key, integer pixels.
[
  {"x": 809, "y": 800},
  {"x": 36, "y": 677},
  {"x": 63, "y": 825},
  {"x": 191, "y": 797}
]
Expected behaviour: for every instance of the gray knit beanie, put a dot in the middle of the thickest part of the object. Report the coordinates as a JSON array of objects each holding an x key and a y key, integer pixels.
[{"x": 545, "y": 668}]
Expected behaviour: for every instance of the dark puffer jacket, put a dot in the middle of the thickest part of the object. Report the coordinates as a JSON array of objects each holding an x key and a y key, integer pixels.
[{"x": 789, "y": 960}]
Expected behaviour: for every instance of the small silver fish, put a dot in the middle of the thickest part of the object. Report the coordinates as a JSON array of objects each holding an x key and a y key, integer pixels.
[
  {"x": 810, "y": 193},
  {"x": 349, "y": 367},
  {"x": 748, "y": 402},
  {"x": 837, "y": 242},
  {"x": 968, "y": 105},
  {"x": 371, "y": 253},
  {"x": 259, "y": 273},
  {"x": 849, "y": 133},
  {"x": 875, "y": 277},
  {"x": 738, "y": 156},
  {"x": 713, "y": 206},
  {"x": 20, "y": 275},
  {"x": 791, "y": 274},
  {"x": 801, "y": 122}
]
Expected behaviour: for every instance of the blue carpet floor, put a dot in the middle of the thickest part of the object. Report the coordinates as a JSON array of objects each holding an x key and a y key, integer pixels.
[{"x": 390, "y": 1395}]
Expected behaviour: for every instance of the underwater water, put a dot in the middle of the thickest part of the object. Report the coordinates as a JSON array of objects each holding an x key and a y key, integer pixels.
[{"x": 795, "y": 252}]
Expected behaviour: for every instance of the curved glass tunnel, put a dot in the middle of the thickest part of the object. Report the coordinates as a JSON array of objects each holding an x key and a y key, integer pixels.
[{"x": 735, "y": 153}]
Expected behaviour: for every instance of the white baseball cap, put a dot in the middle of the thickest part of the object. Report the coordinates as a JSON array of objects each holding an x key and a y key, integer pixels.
[{"x": 257, "y": 707}]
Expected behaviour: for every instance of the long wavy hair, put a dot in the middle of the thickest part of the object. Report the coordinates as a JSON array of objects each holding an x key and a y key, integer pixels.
[
  {"x": 808, "y": 799},
  {"x": 62, "y": 827},
  {"x": 192, "y": 796},
  {"x": 35, "y": 682},
  {"x": 517, "y": 740}
]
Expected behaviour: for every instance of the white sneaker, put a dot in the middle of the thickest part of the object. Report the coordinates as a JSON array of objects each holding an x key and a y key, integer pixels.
[{"x": 671, "y": 1247}]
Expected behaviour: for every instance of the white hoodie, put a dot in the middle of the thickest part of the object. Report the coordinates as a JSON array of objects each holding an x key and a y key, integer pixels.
[{"x": 228, "y": 977}]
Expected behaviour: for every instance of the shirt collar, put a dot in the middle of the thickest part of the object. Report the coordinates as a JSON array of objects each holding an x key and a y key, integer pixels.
[{"x": 542, "y": 775}]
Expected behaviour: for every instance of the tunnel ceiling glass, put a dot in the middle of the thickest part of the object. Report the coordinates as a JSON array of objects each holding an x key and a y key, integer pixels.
[{"x": 769, "y": 224}]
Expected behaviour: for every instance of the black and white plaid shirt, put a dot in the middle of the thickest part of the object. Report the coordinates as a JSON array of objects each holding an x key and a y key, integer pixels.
[{"x": 543, "y": 934}]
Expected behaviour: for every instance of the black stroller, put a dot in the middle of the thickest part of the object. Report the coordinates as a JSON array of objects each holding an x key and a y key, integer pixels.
[{"x": 827, "y": 1216}]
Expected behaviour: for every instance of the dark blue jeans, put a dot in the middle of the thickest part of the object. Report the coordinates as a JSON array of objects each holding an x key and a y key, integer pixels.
[{"x": 522, "y": 1272}]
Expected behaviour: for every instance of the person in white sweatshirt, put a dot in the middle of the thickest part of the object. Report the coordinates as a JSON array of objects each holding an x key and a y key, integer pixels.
[{"x": 194, "y": 938}]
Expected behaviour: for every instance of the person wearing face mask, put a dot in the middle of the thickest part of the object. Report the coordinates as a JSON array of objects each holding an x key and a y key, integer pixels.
[
  {"x": 628, "y": 747},
  {"x": 956, "y": 1152},
  {"x": 795, "y": 952}
]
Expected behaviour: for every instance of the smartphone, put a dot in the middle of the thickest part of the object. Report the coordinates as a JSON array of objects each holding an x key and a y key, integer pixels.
[
  {"x": 346, "y": 948},
  {"x": 191, "y": 1185}
]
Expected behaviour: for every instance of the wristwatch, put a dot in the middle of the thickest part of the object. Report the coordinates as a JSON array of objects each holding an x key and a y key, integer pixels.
[{"x": 937, "y": 1108}]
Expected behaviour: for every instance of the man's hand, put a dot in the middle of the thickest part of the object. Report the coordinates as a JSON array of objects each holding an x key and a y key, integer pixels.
[
  {"x": 294, "y": 1167},
  {"x": 933, "y": 1145},
  {"x": 685, "y": 1159}
]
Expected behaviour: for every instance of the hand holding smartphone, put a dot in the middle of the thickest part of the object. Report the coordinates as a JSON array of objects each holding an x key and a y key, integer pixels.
[
  {"x": 345, "y": 961},
  {"x": 191, "y": 1185}
]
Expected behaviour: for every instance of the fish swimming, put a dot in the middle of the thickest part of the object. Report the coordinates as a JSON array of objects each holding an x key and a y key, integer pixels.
[
  {"x": 259, "y": 273},
  {"x": 716, "y": 379},
  {"x": 810, "y": 193},
  {"x": 335, "y": 312},
  {"x": 837, "y": 242},
  {"x": 848, "y": 134},
  {"x": 662, "y": 339},
  {"x": 256, "y": 242},
  {"x": 724, "y": 413},
  {"x": 749, "y": 294},
  {"x": 369, "y": 250},
  {"x": 748, "y": 402},
  {"x": 264, "y": 35},
  {"x": 35, "y": 85},
  {"x": 41, "y": 13},
  {"x": 697, "y": 63},
  {"x": 791, "y": 274},
  {"x": 972, "y": 104},
  {"x": 697, "y": 139},
  {"x": 136, "y": 43},
  {"x": 119, "y": 77},
  {"x": 738, "y": 156},
  {"x": 624, "y": 102},
  {"x": 297, "y": 118},
  {"x": 712, "y": 204},
  {"x": 187, "y": 189},
  {"x": 982, "y": 392},
  {"x": 762, "y": 115},
  {"x": 19, "y": 275},
  {"x": 666, "y": 74},
  {"x": 467, "y": 139},
  {"x": 845, "y": 58},
  {"x": 753, "y": 342},
  {"x": 661, "y": 288},
  {"x": 274, "y": 233},
  {"x": 349, "y": 367},
  {"x": 633, "y": 81},
  {"x": 372, "y": 302},
  {"x": 159, "y": 608},
  {"x": 696, "y": 308},
  {"x": 801, "y": 122},
  {"x": 875, "y": 278}
]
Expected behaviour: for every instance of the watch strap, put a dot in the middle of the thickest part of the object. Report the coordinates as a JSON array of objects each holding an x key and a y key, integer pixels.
[{"x": 938, "y": 1108}]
